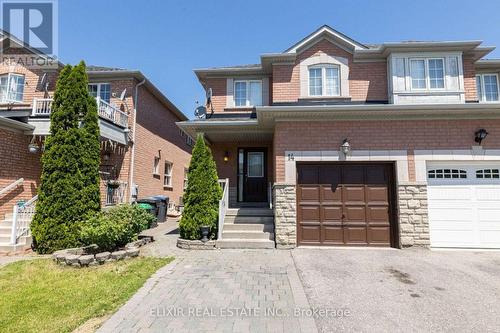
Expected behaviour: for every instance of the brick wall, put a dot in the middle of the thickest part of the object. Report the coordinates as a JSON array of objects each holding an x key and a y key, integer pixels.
[
  {"x": 219, "y": 93},
  {"x": 380, "y": 135},
  {"x": 470, "y": 79},
  {"x": 16, "y": 162},
  {"x": 156, "y": 131}
]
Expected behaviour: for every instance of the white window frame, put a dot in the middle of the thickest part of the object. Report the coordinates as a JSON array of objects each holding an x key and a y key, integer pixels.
[
  {"x": 167, "y": 176},
  {"x": 247, "y": 95},
  {"x": 185, "y": 181},
  {"x": 427, "y": 77},
  {"x": 482, "y": 98},
  {"x": 6, "y": 99},
  {"x": 323, "y": 68},
  {"x": 156, "y": 166},
  {"x": 99, "y": 87}
]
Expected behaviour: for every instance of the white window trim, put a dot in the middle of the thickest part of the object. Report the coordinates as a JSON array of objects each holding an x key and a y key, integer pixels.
[
  {"x": 482, "y": 98},
  {"x": 247, "y": 97},
  {"x": 156, "y": 166},
  {"x": 9, "y": 75},
  {"x": 323, "y": 68},
  {"x": 427, "y": 77},
  {"x": 168, "y": 176},
  {"x": 342, "y": 63},
  {"x": 99, "y": 85},
  {"x": 185, "y": 182}
]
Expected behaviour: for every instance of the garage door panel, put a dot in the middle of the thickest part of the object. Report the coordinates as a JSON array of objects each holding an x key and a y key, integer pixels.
[
  {"x": 379, "y": 235},
  {"x": 332, "y": 213},
  {"x": 310, "y": 213},
  {"x": 333, "y": 235},
  {"x": 352, "y": 202},
  {"x": 465, "y": 211}
]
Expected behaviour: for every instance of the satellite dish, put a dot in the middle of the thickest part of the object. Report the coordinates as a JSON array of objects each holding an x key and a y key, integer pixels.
[
  {"x": 200, "y": 112},
  {"x": 44, "y": 78},
  {"x": 209, "y": 96},
  {"x": 122, "y": 95}
]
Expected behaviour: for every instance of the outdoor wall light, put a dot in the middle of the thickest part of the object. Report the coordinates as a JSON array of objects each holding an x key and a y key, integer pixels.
[
  {"x": 345, "y": 147},
  {"x": 106, "y": 156},
  {"x": 480, "y": 135},
  {"x": 226, "y": 156},
  {"x": 33, "y": 148}
]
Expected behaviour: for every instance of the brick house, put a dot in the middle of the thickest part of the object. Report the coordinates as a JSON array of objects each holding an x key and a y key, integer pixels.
[
  {"x": 143, "y": 152},
  {"x": 333, "y": 142}
]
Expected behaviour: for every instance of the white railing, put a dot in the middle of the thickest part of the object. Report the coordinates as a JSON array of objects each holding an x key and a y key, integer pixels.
[
  {"x": 116, "y": 194},
  {"x": 12, "y": 186},
  {"x": 223, "y": 205},
  {"x": 112, "y": 113},
  {"x": 270, "y": 194},
  {"x": 43, "y": 107},
  {"x": 21, "y": 219}
]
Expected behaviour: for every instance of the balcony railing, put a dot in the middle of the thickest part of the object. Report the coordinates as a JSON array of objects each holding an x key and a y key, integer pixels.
[{"x": 43, "y": 107}]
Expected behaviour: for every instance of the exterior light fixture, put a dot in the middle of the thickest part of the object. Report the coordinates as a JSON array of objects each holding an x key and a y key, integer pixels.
[
  {"x": 480, "y": 135},
  {"x": 345, "y": 147},
  {"x": 106, "y": 156},
  {"x": 226, "y": 156},
  {"x": 33, "y": 148}
]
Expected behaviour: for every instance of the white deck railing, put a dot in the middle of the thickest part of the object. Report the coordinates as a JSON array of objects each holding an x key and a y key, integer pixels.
[
  {"x": 223, "y": 205},
  {"x": 11, "y": 186},
  {"x": 43, "y": 107},
  {"x": 21, "y": 219}
]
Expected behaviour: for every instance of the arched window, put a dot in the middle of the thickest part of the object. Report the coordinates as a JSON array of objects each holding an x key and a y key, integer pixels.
[{"x": 488, "y": 174}]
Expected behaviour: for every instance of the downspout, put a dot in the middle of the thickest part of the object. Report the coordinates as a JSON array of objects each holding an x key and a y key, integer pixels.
[{"x": 132, "y": 153}]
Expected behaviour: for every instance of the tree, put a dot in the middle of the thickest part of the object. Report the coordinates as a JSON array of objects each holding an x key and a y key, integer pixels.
[
  {"x": 201, "y": 199},
  {"x": 69, "y": 189}
]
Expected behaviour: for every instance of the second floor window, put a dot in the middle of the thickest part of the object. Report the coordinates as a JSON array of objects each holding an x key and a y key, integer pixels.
[
  {"x": 248, "y": 93},
  {"x": 427, "y": 73},
  {"x": 11, "y": 88},
  {"x": 487, "y": 87},
  {"x": 324, "y": 80},
  {"x": 102, "y": 90}
]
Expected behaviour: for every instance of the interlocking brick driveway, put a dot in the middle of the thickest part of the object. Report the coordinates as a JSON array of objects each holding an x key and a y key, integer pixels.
[{"x": 207, "y": 291}]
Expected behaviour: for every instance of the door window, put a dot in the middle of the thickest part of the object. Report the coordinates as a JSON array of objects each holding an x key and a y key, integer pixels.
[{"x": 255, "y": 164}]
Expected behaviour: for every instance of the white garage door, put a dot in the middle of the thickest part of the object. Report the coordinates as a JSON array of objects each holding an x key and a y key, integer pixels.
[{"x": 464, "y": 204}]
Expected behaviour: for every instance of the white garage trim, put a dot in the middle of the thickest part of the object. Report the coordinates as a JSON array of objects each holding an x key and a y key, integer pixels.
[
  {"x": 294, "y": 156},
  {"x": 477, "y": 153}
]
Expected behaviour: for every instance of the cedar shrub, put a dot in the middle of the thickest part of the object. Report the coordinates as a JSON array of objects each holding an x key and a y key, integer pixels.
[
  {"x": 69, "y": 189},
  {"x": 201, "y": 199}
]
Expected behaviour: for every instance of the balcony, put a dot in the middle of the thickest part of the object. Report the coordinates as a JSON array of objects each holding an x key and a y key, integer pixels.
[{"x": 109, "y": 112}]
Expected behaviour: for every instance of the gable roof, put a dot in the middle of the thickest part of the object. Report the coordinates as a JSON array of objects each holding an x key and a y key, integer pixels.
[{"x": 326, "y": 31}]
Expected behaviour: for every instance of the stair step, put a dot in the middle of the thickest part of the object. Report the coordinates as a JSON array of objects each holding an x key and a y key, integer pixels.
[
  {"x": 247, "y": 235},
  {"x": 4, "y": 239},
  {"x": 249, "y": 219},
  {"x": 5, "y": 230},
  {"x": 249, "y": 212},
  {"x": 245, "y": 244},
  {"x": 6, "y": 222},
  {"x": 248, "y": 227}
]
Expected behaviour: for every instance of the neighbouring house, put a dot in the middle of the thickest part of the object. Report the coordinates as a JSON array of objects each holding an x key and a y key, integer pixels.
[
  {"x": 143, "y": 152},
  {"x": 337, "y": 143}
]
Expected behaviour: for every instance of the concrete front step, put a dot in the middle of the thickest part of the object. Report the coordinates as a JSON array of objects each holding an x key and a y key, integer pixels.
[
  {"x": 245, "y": 244},
  {"x": 249, "y": 212},
  {"x": 5, "y": 230},
  {"x": 249, "y": 219},
  {"x": 4, "y": 239},
  {"x": 268, "y": 227},
  {"x": 247, "y": 235}
]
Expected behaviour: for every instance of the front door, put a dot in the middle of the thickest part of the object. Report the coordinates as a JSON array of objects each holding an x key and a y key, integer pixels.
[{"x": 252, "y": 175}]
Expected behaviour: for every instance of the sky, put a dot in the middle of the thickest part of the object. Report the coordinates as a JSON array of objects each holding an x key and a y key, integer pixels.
[{"x": 167, "y": 39}]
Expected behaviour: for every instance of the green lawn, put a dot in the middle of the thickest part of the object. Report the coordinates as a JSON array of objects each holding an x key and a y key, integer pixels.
[{"x": 41, "y": 296}]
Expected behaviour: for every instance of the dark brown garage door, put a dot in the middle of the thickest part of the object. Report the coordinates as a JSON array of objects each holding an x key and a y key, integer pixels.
[{"x": 344, "y": 204}]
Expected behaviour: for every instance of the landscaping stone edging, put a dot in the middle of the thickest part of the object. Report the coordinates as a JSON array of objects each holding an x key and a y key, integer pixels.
[
  {"x": 89, "y": 255},
  {"x": 187, "y": 244}
]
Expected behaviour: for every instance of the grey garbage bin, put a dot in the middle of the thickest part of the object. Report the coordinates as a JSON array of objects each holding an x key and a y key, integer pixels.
[{"x": 162, "y": 204}]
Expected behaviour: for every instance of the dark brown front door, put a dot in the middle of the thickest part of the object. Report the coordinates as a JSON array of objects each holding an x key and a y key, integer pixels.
[
  {"x": 344, "y": 204},
  {"x": 252, "y": 174}
]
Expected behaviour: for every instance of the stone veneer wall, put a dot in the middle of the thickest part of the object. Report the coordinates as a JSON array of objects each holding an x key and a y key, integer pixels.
[
  {"x": 413, "y": 215},
  {"x": 285, "y": 215}
]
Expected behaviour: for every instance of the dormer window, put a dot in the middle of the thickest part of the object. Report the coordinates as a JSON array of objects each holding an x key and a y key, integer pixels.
[
  {"x": 248, "y": 93},
  {"x": 11, "y": 88},
  {"x": 427, "y": 73},
  {"x": 324, "y": 80},
  {"x": 487, "y": 87}
]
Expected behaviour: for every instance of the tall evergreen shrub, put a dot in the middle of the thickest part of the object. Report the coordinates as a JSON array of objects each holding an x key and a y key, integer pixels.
[
  {"x": 201, "y": 199},
  {"x": 69, "y": 189}
]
